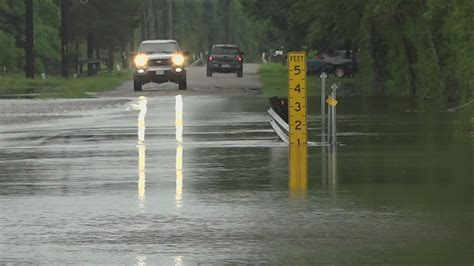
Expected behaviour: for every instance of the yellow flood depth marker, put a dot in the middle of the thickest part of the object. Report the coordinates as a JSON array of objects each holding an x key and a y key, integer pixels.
[{"x": 297, "y": 110}]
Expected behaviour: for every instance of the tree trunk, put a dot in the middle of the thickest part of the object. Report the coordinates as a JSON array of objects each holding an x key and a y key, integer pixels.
[
  {"x": 411, "y": 56},
  {"x": 30, "y": 57},
  {"x": 76, "y": 58},
  {"x": 110, "y": 58},
  {"x": 227, "y": 20},
  {"x": 97, "y": 52},
  {"x": 124, "y": 56},
  {"x": 436, "y": 58},
  {"x": 64, "y": 38},
  {"x": 170, "y": 20},
  {"x": 156, "y": 10},
  {"x": 375, "y": 52},
  {"x": 143, "y": 22},
  {"x": 90, "y": 53},
  {"x": 146, "y": 17},
  {"x": 132, "y": 40}
]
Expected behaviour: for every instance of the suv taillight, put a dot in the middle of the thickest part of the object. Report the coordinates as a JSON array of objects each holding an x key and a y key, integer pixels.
[
  {"x": 210, "y": 58},
  {"x": 239, "y": 58}
]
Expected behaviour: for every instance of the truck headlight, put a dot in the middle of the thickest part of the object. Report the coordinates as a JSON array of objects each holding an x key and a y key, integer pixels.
[
  {"x": 141, "y": 60},
  {"x": 178, "y": 59}
]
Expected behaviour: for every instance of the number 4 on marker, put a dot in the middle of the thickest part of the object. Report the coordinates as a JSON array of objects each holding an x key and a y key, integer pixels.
[{"x": 298, "y": 88}]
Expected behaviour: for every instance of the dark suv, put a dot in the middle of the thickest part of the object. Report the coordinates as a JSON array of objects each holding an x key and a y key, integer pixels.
[
  {"x": 159, "y": 61},
  {"x": 225, "y": 58}
]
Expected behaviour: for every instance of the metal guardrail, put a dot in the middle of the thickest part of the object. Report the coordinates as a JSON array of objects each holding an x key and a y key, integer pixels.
[
  {"x": 328, "y": 130},
  {"x": 279, "y": 125},
  {"x": 196, "y": 62}
]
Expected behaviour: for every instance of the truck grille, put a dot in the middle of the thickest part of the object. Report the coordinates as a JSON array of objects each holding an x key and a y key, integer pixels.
[{"x": 159, "y": 62}]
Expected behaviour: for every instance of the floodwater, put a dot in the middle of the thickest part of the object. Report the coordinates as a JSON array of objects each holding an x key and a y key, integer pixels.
[{"x": 80, "y": 190}]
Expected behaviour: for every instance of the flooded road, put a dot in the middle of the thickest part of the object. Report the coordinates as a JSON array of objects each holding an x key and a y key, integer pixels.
[{"x": 80, "y": 189}]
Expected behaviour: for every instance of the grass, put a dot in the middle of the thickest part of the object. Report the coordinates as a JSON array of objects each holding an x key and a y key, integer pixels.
[
  {"x": 58, "y": 87},
  {"x": 275, "y": 81},
  {"x": 466, "y": 122}
]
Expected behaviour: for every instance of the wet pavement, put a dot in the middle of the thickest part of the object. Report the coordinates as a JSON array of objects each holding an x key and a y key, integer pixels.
[
  {"x": 79, "y": 189},
  {"x": 198, "y": 84}
]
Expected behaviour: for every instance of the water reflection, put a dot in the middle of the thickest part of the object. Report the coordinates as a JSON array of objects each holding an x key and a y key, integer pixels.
[
  {"x": 324, "y": 164},
  {"x": 141, "y": 105},
  {"x": 332, "y": 167},
  {"x": 141, "y": 260},
  {"x": 179, "y": 151},
  {"x": 178, "y": 261},
  {"x": 179, "y": 176},
  {"x": 141, "y": 172},
  {"x": 298, "y": 171},
  {"x": 179, "y": 118},
  {"x": 329, "y": 167}
]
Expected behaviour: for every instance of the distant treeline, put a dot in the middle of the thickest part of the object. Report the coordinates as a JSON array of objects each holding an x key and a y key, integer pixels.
[
  {"x": 113, "y": 29},
  {"x": 419, "y": 48}
]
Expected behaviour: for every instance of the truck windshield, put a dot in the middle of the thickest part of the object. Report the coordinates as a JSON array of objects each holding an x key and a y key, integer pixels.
[
  {"x": 151, "y": 48},
  {"x": 225, "y": 50}
]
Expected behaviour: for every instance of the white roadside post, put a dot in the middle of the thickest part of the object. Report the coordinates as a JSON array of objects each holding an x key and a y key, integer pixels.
[
  {"x": 333, "y": 103},
  {"x": 140, "y": 105},
  {"x": 323, "y": 109}
]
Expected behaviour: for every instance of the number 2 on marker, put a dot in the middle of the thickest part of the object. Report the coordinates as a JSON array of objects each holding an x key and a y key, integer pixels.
[{"x": 298, "y": 125}]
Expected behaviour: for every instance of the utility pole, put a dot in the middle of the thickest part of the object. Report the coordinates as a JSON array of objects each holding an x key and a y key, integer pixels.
[
  {"x": 64, "y": 38},
  {"x": 30, "y": 57},
  {"x": 170, "y": 20},
  {"x": 227, "y": 20}
]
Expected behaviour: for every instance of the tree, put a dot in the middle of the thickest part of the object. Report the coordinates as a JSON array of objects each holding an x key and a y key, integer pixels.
[
  {"x": 30, "y": 63},
  {"x": 65, "y": 38}
]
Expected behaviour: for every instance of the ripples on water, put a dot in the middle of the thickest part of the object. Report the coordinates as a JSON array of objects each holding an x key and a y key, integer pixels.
[{"x": 396, "y": 192}]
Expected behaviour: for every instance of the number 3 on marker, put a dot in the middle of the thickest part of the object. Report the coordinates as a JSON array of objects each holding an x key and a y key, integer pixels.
[{"x": 298, "y": 106}]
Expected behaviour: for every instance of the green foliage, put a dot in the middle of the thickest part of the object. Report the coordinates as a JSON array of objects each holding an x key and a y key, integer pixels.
[
  {"x": 199, "y": 24},
  {"x": 417, "y": 48},
  {"x": 9, "y": 54},
  {"x": 275, "y": 81}
]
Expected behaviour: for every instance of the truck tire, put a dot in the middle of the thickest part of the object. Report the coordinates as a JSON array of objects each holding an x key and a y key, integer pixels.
[
  {"x": 137, "y": 85},
  {"x": 182, "y": 85},
  {"x": 240, "y": 73}
]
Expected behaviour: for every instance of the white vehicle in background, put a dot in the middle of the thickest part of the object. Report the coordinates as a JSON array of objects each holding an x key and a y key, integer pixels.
[{"x": 159, "y": 61}]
